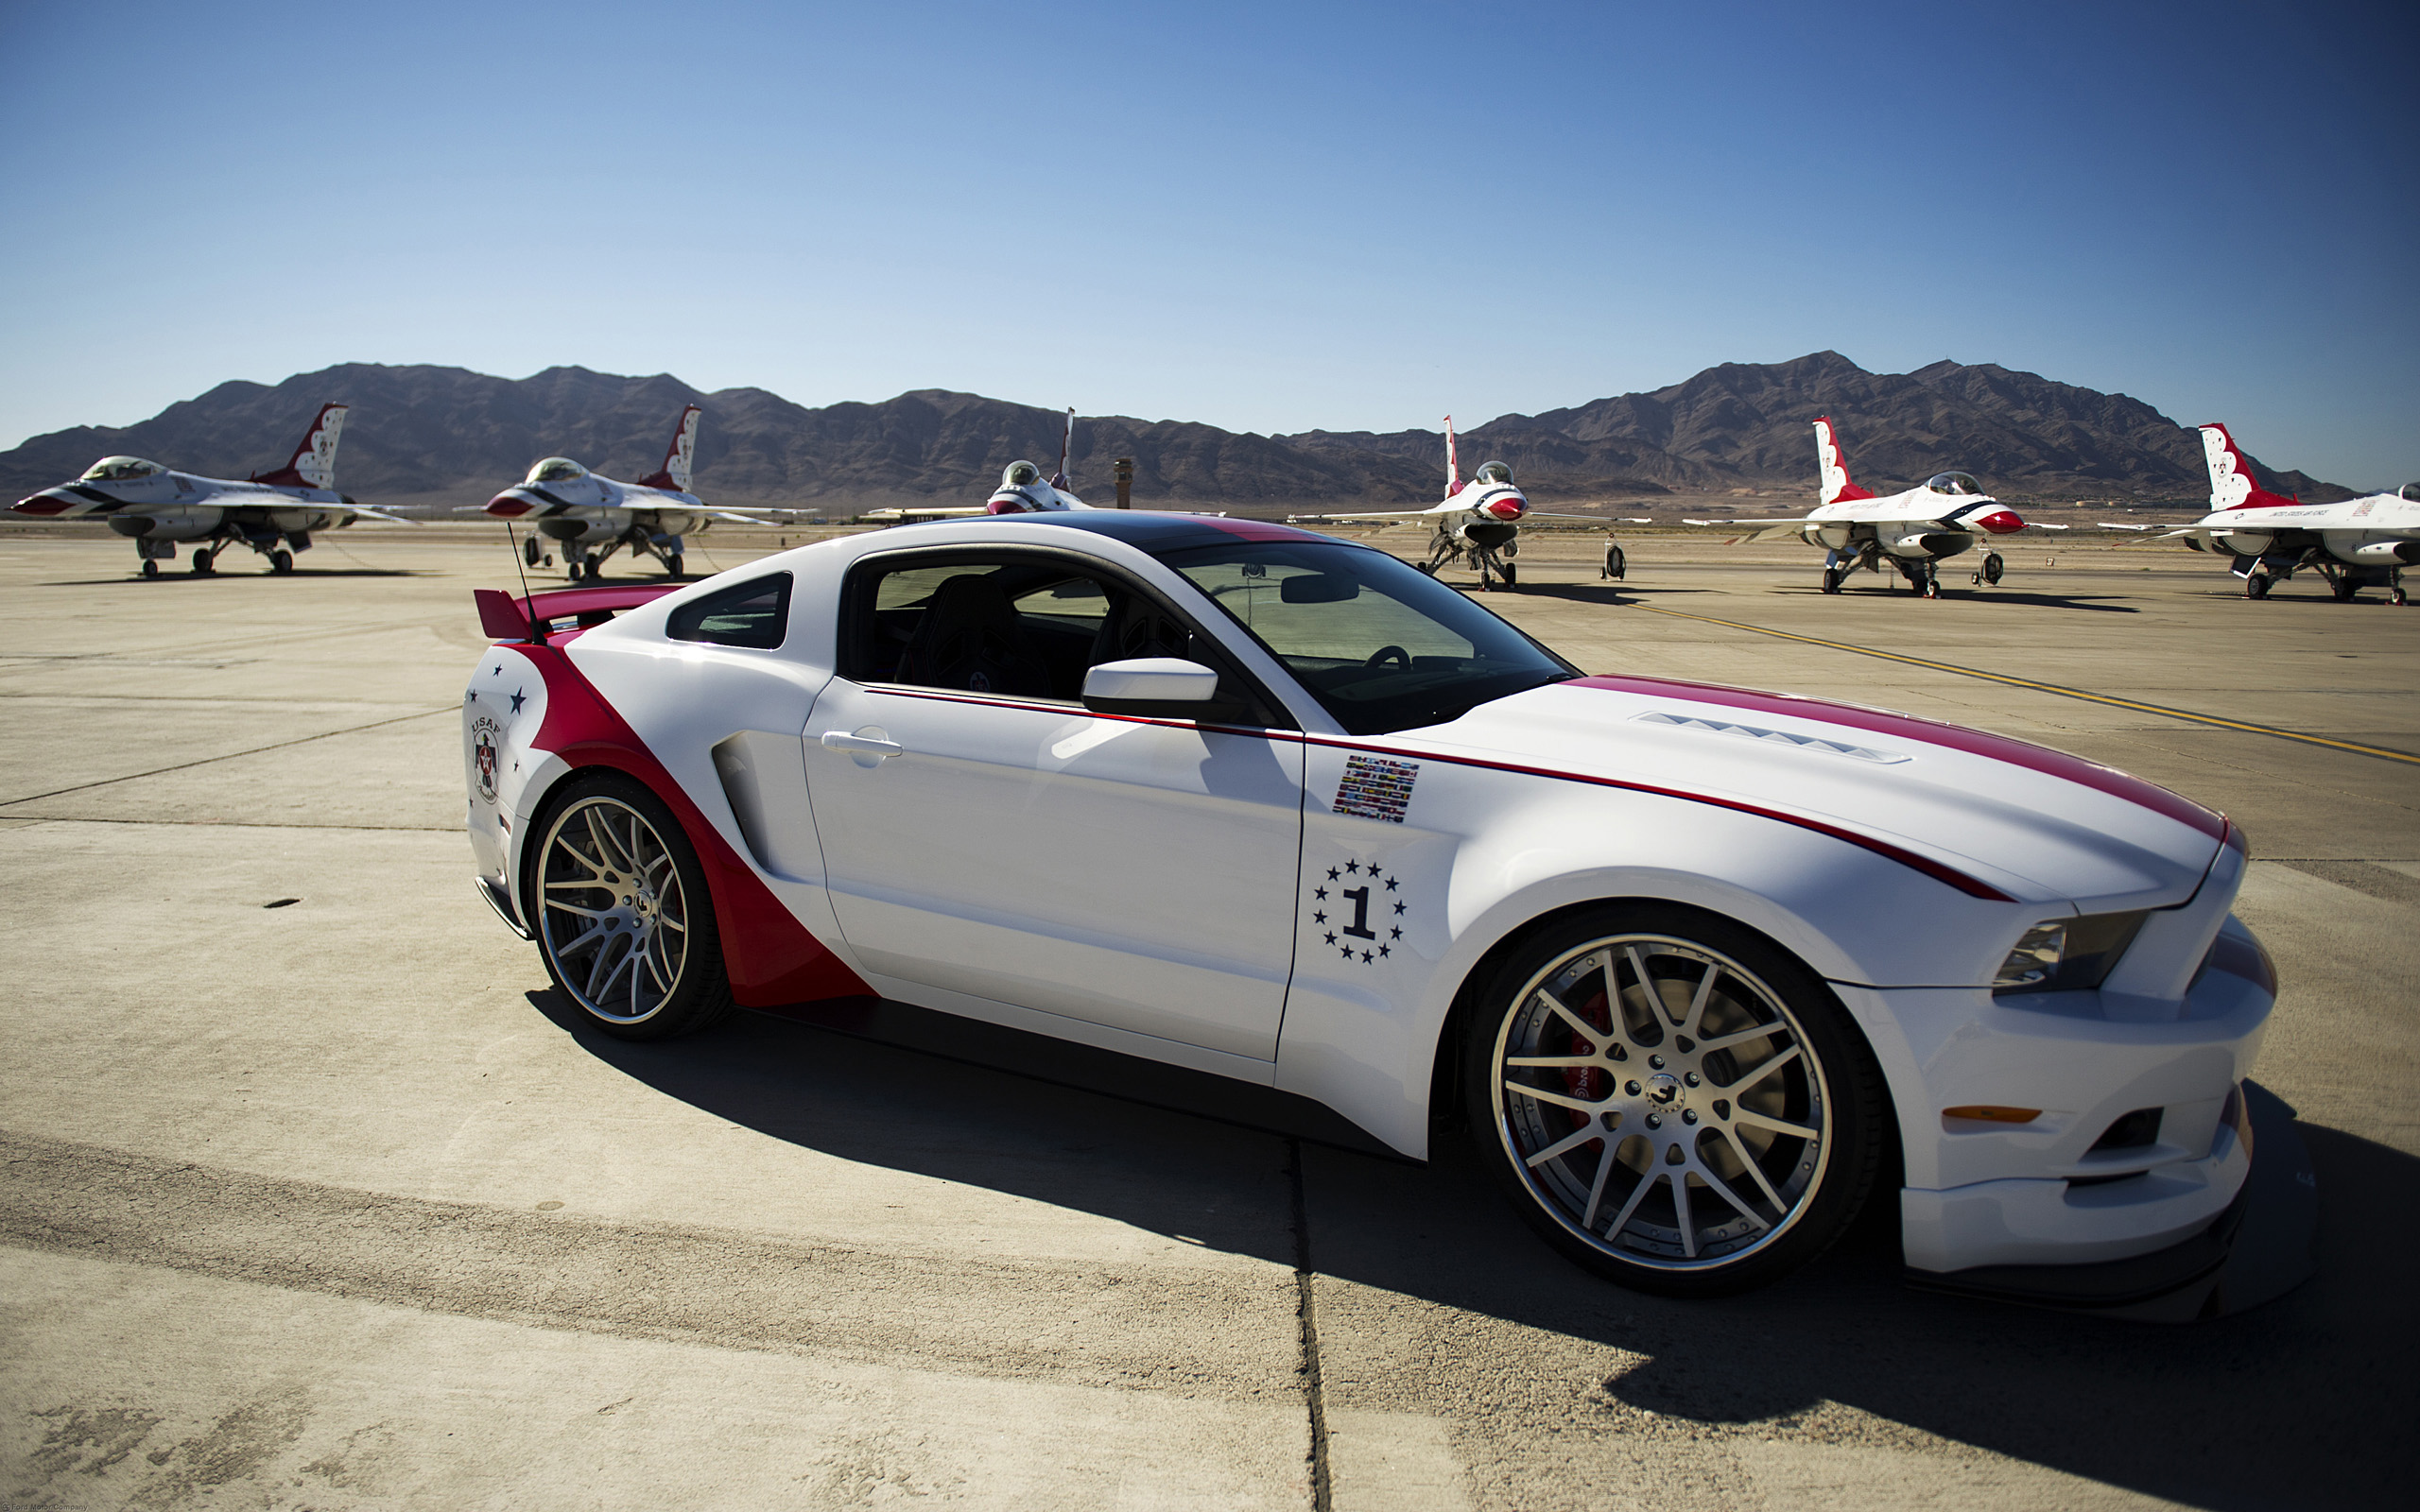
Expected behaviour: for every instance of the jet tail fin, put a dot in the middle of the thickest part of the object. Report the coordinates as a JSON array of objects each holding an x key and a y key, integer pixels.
[
  {"x": 674, "y": 473},
  {"x": 1453, "y": 465},
  {"x": 1835, "y": 484},
  {"x": 2231, "y": 482},
  {"x": 314, "y": 463},
  {"x": 1066, "y": 443}
]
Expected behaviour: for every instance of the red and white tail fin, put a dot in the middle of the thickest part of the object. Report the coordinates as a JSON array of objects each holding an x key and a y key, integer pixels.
[
  {"x": 1453, "y": 467},
  {"x": 314, "y": 463},
  {"x": 1066, "y": 442},
  {"x": 1835, "y": 484},
  {"x": 2231, "y": 483},
  {"x": 674, "y": 473}
]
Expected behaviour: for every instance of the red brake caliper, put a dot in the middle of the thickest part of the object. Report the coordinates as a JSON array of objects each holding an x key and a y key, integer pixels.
[{"x": 1589, "y": 1082}]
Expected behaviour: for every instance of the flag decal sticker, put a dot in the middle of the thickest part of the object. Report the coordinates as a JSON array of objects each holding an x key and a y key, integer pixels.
[{"x": 1375, "y": 789}]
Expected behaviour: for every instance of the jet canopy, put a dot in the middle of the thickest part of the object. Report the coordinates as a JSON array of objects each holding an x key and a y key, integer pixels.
[
  {"x": 1020, "y": 474},
  {"x": 1962, "y": 485},
  {"x": 119, "y": 469},
  {"x": 555, "y": 469},
  {"x": 2411, "y": 491},
  {"x": 1493, "y": 472}
]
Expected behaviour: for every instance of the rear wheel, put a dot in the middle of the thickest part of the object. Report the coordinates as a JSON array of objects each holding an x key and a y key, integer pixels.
[
  {"x": 529, "y": 548},
  {"x": 201, "y": 562},
  {"x": 2344, "y": 588},
  {"x": 1671, "y": 1101},
  {"x": 281, "y": 561},
  {"x": 624, "y": 921},
  {"x": 1831, "y": 579},
  {"x": 1511, "y": 575},
  {"x": 672, "y": 564},
  {"x": 151, "y": 568},
  {"x": 2257, "y": 586}
]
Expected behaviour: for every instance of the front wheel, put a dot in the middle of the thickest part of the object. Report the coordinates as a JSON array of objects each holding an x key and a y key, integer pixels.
[
  {"x": 281, "y": 561},
  {"x": 1672, "y": 1101},
  {"x": 624, "y": 920},
  {"x": 1511, "y": 575}
]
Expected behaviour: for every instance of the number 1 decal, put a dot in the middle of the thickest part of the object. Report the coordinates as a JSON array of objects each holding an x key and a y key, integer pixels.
[{"x": 1379, "y": 889}]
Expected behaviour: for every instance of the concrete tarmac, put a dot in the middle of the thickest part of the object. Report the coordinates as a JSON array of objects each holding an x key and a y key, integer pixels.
[{"x": 311, "y": 1195}]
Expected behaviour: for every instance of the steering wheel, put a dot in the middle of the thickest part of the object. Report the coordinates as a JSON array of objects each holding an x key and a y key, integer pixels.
[{"x": 1379, "y": 657}]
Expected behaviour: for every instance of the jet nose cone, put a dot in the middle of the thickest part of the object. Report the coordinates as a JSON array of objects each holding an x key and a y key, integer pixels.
[
  {"x": 48, "y": 502},
  {"x": 509, "y": 505},
  {"x": 1009, "y": 504},
  {"x": 2001, "y": 521},
  {"x": 1510, "y": 507}
]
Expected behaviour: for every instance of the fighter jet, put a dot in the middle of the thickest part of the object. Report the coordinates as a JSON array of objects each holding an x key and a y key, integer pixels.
[
  {"x": 595, "y": 517},
  {"x": 274, "y": 513},
  {"x": 1478, "y": 521},
  {"x": 1021, "y": 490},
  {"x": 2358, "y": 543},
  {"x": 1912, "y": 531}
]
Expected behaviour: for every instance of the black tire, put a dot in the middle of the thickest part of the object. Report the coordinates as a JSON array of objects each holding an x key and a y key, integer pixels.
[
  {"x": 202, "y": 565},
  {"x": 1617, "y": 565},
  {"x": 281, "y": 561},
  {"x": 2395, "y": 596},
  {"x": 2344, "y": 588},
  {"x": 1428, "y": 567},
  {"x": 529, "y": 548},
  {"x": 2257, "y": 586},
  {"x": 672, "y": 564},
  {"x": 620, "y": 909},
  {"x": 1511, "y": 575},
  {"x": 1831, "y": 581},
  {"x": 151, "y": 568},
  {"x": 1993, "y": 567},
  {"x": 1609, "y": 1206}
]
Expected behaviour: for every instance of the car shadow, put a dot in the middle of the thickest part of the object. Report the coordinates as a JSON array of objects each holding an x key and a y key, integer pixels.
[{"x": 2289, "y": 1403}]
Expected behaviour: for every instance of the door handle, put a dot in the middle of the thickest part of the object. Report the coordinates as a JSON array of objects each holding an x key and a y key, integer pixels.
[{"x": 869, "y": 742}]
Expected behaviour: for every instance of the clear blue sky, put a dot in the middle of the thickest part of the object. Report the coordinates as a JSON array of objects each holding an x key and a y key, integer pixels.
[{"x": 1266, "y": 217}]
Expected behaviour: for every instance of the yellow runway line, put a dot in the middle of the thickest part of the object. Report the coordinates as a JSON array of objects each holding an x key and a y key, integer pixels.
[{"x": 2382, "y": 752}]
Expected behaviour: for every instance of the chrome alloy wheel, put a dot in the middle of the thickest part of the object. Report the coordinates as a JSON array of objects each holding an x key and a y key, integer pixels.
[
  {"x": 1661, "y": 1102},
  {"x": 612, "y": 917}
]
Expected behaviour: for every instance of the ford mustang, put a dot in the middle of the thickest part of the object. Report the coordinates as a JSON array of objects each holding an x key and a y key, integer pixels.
[{"x": 1700, "y": 969}]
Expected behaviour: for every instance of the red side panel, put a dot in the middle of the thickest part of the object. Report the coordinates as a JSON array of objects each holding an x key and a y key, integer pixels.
[{"x": 771, "y": 957}]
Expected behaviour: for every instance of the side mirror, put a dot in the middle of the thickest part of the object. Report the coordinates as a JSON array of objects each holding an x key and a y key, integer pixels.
[{"x": 1162, "y": 686}]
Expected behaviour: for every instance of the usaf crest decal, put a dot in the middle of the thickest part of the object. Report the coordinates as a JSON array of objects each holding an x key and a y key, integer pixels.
[
  {"x": 486, "y": 735},
  {"x": 1357, "y": 910}
]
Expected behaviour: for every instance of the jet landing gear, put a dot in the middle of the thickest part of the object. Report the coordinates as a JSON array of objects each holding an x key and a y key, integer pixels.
[
  {"x": 1615, "y": 567},
  {"x": 1989, "y": 573}
]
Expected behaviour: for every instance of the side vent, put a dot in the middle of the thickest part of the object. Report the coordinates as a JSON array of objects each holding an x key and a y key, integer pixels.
[{"x": 742, "y": 785}]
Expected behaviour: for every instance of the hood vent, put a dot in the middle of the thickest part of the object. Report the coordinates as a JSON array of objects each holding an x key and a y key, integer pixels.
[{"x": 1773, "y": 737}]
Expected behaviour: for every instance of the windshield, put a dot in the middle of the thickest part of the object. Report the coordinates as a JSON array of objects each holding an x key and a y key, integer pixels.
[
  {"x": 2412, "y": 491},
  {"x": 1019, "y": 475},
  {"x": 555, "y": 469},
  {"x": 1495, "y": 473},
  {"x": 1381, "y": 646},
  {"x": 1963, "y": 484},
  {"x": 119, "y": 469}
]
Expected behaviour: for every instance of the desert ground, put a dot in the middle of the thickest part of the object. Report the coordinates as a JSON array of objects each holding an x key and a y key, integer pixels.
[{"x": 315, "y": 1198}]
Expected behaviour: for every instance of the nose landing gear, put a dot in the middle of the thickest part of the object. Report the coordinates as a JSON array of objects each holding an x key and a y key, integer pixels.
[{"x": 1989, "y": 573}]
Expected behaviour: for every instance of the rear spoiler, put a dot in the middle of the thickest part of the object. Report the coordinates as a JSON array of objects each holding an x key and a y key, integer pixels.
[{"x": 537, "y": 615}]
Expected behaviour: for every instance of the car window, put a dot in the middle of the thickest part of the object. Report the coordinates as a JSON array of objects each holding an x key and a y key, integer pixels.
[
  {"x": 1019, "y": 625},
  {"x": 755, "y": 614},
  {"x": 1381, "y": 646}
]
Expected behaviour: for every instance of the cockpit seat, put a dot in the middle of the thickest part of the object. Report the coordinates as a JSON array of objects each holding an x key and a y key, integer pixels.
[{"x": 969, "y": 637}]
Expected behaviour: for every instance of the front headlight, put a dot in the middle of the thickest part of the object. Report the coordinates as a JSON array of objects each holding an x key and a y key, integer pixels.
[{"x": 2068, "y": 954}]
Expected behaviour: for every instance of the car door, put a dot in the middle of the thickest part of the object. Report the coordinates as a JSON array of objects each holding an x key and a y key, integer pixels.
[{"x": 984, "y": 833}]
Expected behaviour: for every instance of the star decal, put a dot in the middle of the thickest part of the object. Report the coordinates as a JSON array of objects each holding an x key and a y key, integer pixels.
[
  {"x": 495, "y": 671},
  {"x": 473, "y": 697},
  {"x": 518, "y": 699},
  {"x": 1340, "y": 916}
]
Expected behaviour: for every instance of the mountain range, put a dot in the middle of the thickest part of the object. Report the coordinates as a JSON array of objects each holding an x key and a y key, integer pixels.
[{"x": 431, "y": 434}]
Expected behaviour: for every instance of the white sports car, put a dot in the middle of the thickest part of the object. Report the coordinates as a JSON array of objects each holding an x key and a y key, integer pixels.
[{"x": 1701, "y": 966}]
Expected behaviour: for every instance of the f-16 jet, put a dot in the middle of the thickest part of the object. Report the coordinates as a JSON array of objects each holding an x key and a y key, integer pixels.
[
  {"x": 2357, "y": 543},
  {"x": 1021, "y": 490},
  {"x": 594, "y": 516},
  {"x": 1478, "y": 521},
  {"x": 160, "y": 509},
  {"x": 1913, "y": 531}
]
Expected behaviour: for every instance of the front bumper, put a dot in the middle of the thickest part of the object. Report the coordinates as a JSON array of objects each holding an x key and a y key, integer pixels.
[{"x": 2259, "y": 1246}]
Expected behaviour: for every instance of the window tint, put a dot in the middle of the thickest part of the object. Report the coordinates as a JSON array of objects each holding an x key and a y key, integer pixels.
[
  {"x": 755, "y": 614},
  {"x": 1381, "y": 646}
]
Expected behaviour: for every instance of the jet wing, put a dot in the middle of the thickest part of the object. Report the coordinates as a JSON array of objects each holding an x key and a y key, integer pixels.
[
  {"x": 1347, "y": 518},
  {"x": 363, "y": 512},
  {"x": 945, "y": 513},
  {"x": 1736, "y": 525}
]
